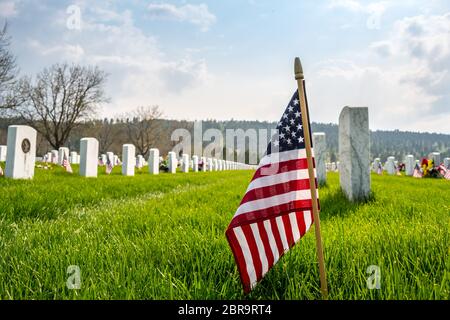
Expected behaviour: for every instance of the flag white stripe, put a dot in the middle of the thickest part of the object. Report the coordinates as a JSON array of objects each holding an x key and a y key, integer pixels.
[
  {"x": 294, "y": 226},
  {"x": 284, "y": 177},
  {"x": 269, "y": 202},
  {"x": 307, "y": 215},
  {"x": 247, "y": 254},
  {"x": 282, "y": 232},
  {"x": 260, "y": 246},
  {"x": 272, "y": 243},
  {"x": 283, "y": 156}
]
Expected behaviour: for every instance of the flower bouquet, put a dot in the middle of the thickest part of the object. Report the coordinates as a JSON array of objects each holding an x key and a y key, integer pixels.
[{"x": 429, "y": 169}]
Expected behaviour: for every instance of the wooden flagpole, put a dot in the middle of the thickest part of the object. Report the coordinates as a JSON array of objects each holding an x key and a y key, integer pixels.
[{"x": 312, "y": 183}]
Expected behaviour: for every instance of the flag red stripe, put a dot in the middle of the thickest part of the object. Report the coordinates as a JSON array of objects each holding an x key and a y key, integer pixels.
[
  {"x": 301, "y": 223},
  {"x": 288, "y": 230},
  {"x": 276, "y": 189},
  {"x": 247, "y": 230},
  {"x": 265, "y": 241},
  {"x": 239, "y": 258},
  {"x": 277, "y": 237},
  {"x": 271, "y": 212},
  {"x": 285, "y": 166}
]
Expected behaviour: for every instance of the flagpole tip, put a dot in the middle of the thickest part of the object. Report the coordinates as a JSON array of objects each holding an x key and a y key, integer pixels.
[{"x": 298, "y": 69}]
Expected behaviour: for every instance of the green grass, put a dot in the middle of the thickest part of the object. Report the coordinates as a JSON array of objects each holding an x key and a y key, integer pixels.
[{"x": 162, "y": 237}]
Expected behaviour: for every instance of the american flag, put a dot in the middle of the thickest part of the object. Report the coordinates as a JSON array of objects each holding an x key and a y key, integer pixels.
[
  {"x": 417, "y": 172},
  {"x": 380, "y": 169},
  {"x": 444, "y": 171},
  {"x": 109, "y": 165},
  {"x": 66, "y": 163},
  {"x": 276, "y": 210}
]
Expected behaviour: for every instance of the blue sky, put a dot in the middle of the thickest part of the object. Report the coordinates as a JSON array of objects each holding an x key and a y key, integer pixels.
[{"x": 234, "y": 59}]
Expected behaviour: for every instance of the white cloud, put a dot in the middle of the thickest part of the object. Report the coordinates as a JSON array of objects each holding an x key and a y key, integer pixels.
[
  {"x": 374, "y": 10},
  {"x": 8, "y": 9},
  {"x": 139, "y": 71},
  {"x": 404, "y": 84},
  {"x": 195, "y": 14}
]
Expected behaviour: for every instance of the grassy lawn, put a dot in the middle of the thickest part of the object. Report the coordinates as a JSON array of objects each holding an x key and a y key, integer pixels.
[{"x": 162, "y": 237}]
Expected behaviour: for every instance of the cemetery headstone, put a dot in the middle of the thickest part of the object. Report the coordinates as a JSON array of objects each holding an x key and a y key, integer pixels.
[
  {"x": 21, "y": 146},
  {"x": 153, "y": 161},
  {"x": 390, "y": 165},
  {"x": 61, "y": 152},
  {"x": 195, "y": 163},
  {"x": 320, "y": 146},
  {"x": 354, "y": 153},
  {"x": 88, "y": 157},
  {"x": 410, "y": 163},
  {"x": 185, "y": 163},
  {"x": 128, "y": 159},
  {"x": 3, "y": 152},
  {"x": 173, "y": 162}
]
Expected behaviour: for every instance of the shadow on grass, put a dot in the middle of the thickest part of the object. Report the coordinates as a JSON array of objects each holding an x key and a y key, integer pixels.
[{"x": 336, "y": 204}]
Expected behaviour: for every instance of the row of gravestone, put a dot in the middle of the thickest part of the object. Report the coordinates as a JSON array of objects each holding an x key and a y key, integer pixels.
[
  {"x": 20, "y": 157},
  {"x": 410, "y": 163}
]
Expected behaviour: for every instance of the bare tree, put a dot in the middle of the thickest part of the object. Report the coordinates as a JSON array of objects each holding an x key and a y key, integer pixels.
[
  {"x": 8, "y": 71},
  {"x": 144, "y": 128},
  {"x": 59, "y": 98},
  {"x": 106, "y": 132}
]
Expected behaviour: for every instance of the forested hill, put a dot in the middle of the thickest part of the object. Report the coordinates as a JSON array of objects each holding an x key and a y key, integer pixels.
[
  {"x": 382, "y": 143},
  {"x": 112, "y": 135}
]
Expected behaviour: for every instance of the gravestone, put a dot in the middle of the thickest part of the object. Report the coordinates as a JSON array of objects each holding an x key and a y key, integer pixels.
[
  {"x": 128, "y": 159},
  {"x": 88, "y": 157},
  {"x": 73, "y": 157},
  {"x": 153, "y": 161},
  {"x": 210, "y": 164},
  {"x": 48, "y": 157},
  {"x": 21, "y": 146},
  {"x": 410, "y": 163},
  {"x": 61, "y": 152},
  {"x": 185, "y": 163},
  {"x": 139, "y": 161},
  {"x": 195, "y": 163},
  {"x": 390, "y": 165},
  {"x": 320, "y": 147},
  {"x": 110, "y": 157},
  {"x": 173, "y": 162},
  {"x": 203, "y": 161},
  {"x": 103, "y": 159},
  {"x": 333, "y": 166},
  {"x": 354, "y": 153},
  {"x": 55, "y": 156},
  {"x": 436, "y": 156},
  {"x": 3, "y": 152},
  {"x": 376, "y": 164}
]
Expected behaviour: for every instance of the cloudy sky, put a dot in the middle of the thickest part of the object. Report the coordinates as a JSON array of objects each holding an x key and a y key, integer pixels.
[{"x": 234, "y": 58}]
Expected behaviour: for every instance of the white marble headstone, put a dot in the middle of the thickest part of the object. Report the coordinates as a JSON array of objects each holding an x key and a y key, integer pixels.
[
  {"x": 195, "y": 163},
  {"x": 320, "y": 147},
  {"x": 61, "y": 152},
  {"x": 173, "y": 162},
  {"x": 3, "y": 152},
  {"x": 185, "y": 163},
  {"x": 390, "y": 165},
  {"x": 153, "y": 161},
  {"x": 88, "y": 157},
  {"x": 410, "y": 163},
  {"x": 21, "y": 143},
  {"x": 128, "y": 159},
  {"x": 354, "y": 153}
]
